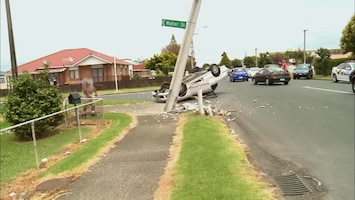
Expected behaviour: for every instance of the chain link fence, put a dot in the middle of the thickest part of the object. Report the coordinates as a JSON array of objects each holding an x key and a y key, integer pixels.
[{"x": 16, "y": 156}]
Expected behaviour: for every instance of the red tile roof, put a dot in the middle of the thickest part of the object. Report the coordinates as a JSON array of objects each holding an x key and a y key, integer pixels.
[
  {"x": 67, "y": 57},
  {"x": 138, "y": 68}
]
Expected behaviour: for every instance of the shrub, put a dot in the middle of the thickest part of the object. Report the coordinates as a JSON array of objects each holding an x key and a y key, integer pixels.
[{"x": 30, "y": 99}]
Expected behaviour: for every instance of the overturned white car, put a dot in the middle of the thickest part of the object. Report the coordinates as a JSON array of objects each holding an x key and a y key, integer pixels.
[{"x": 206, "y": 79}]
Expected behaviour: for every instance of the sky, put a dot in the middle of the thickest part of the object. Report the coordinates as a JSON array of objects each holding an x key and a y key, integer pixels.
[{"x": 132, "y": 28}]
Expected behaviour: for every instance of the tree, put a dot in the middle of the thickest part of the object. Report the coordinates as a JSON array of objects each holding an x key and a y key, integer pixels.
[
  {"x": 265, "y": 59},
  {"x": 279, "y": 57},
  {"x": 31, "y": 99},
  {"x": 249, "y": 61},
  {"x": 225, "y": 60},
  {"x": 297, "y": 55},
  {"x": 347, "y": 41},
  {"x": 237, "y": 63},
  {"x": 322, "y": 63},
  {"x": 173, "y": 47},
  {"x": 164, "y": 62}
]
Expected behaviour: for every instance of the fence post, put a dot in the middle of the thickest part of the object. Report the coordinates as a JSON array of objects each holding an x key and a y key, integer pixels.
[
  {"x": 34, "y": 143},
  {"x": 200, "y": 101},
  {"x": 103, "y": 111},
  {"x": 65, "y": 104},
  {"x": 78, "y": 121}
]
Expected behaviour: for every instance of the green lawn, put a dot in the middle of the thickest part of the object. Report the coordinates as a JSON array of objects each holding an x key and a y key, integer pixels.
[
  {"x": 90, "y": 149},
  {"x": 4, "y": 123},
  {"x": 211, "y": 165},
  {"x": 17, "y": 157}
]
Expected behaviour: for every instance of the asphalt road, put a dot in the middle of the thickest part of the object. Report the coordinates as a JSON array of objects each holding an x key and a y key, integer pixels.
[{"x": 308, "y": 122}]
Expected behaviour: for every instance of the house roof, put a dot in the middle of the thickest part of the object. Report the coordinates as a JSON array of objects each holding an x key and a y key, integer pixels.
[
  {"x": 66, "y": 58},
  {"x": 139, "y": 68}
]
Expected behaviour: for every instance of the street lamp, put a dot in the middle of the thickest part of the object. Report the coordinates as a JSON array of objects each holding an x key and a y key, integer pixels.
[
  {"x": 193, "y": 48},
  {"x": 256, "y": 57},
  {"x": 304, "y": 46}
]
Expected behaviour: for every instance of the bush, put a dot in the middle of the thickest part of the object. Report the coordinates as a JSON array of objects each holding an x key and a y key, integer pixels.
[
  {"x": 31, "y": 99},
  {"x": 325, "y": 67}
]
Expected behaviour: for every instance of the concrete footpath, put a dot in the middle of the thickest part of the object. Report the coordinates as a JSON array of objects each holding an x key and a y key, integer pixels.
[{"x": 132, "y": 169}]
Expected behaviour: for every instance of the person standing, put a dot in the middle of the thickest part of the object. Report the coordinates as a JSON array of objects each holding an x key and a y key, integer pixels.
[
  {"x": 54, "y": 80},
  {"x": 89, "y": 92},
  {"x": 284, "y": 65}
]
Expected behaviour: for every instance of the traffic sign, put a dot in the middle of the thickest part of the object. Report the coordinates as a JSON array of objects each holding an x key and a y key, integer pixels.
[{"x": 173, "y": 23}]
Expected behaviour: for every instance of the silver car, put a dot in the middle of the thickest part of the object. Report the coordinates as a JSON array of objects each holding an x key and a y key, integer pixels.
[{"x": 206, "y": 79}]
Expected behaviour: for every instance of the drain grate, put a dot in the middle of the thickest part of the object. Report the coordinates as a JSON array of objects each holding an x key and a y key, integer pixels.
[{"x": 293, "y": 185}]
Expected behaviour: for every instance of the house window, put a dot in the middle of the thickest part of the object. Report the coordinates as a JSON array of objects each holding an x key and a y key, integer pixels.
[
  {"x": 98, "y": 74},
  {"x": 74, "y": 73}
]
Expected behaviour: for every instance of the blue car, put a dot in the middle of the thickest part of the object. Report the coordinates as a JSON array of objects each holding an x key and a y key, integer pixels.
[
  {"x": 303, "y": 70},
  {"x": 239, "y": 73}
]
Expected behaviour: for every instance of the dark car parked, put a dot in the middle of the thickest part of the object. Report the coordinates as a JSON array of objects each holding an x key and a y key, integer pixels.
[
  {"x": 352, "y": 80},
  {"x": 271, "y": 75},
  {"x": 303, "y": 70}
]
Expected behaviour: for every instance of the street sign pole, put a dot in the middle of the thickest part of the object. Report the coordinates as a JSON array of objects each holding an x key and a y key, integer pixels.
[{"x": 182, "y": 58}]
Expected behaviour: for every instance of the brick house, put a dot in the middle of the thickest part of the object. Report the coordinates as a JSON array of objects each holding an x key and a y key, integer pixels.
[
  {"x": 68, "y": 66},
  {"x": 141, "y": 71}
]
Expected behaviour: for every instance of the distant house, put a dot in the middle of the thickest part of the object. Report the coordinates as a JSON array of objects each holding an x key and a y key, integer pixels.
[
  {"x": 141, "y": 71},
  {"x": 69, "y": 65},
  {"x": 3, "y": 81}
]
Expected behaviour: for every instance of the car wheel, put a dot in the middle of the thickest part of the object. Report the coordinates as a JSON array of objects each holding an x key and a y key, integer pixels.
[
  {"x": 215, "y": 70},
  {"x": 308, "y": 76},
  {"x": 183, "y": 90},
  {"x": 353, "y": 84},
  {"x": 335, "y": 78},
  {"x": 164, "y": 86},
  {"x": 214, "y": 86},
  {"x": 254, "y": 81},
  {"x": 286, "y": 82},
  {"x": 267, "y": 82}
]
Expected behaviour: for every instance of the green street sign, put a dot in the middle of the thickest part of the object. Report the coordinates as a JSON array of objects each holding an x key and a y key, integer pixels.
[{"x": 173, "y": 23}]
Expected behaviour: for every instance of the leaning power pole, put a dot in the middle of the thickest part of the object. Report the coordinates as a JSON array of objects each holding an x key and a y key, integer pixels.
[
  {"x": 11, "y": 41},
  {"x": 182, "y": 58}
]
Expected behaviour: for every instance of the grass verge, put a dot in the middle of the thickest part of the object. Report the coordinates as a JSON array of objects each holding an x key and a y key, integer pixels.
[
  {"x": 88, "y": 151},
  {"x": 321, "y": 77},
  {"x": 212, "y": 165}
]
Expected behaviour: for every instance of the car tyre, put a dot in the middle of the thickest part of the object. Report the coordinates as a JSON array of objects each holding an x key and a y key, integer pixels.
[
  {"x": 183, "y": 90},
  {"x": 214, "y": 86},
  {"x": 335, "y": 80},
  {"x": 353, "y": 84},
  {"x": 254, "y": 81},
  {"x": 164, "y": 86},
  {"x": 215, "y": 70},
  {"x": 286, "y": 82},
  {"x": 267, "y": 82},
  {"x": 309, "y": 76}
]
